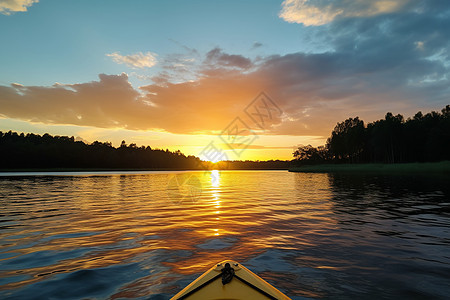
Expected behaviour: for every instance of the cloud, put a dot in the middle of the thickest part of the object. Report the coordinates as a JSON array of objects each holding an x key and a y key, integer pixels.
[
  {"x": 257, "y": 45},
  {"x": 216, "y": 57},
  {"x": 96, "y": 103},
  {"x": 135, "y": 61},
  {"x": 206, "y": 105},
  {"x": 320, "y": 12},
  {"x": 398, "y": 62},
  {"x": 10, "y": 6},
  {"x": 178, "y": 67}
]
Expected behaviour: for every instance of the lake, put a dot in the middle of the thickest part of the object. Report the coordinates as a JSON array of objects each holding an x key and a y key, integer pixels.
[{"x": 146, "y": 235}]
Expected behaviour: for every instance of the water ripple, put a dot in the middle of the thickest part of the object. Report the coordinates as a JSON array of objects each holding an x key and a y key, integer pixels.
[{"x": 113, "y": 235}]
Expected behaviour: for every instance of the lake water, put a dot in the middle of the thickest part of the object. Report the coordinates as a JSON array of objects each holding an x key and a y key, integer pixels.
[{"x": 147, "y": 235}]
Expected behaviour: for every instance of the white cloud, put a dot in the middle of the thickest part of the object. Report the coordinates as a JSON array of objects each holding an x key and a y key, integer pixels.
[
  {"x": 9, "y": 6},
  {"x": 301, "y": 11},
  {"x": 135, "y": 61},
  {"x": 320, "y": 12}
]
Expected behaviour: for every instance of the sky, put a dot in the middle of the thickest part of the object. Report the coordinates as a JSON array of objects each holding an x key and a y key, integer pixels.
[{"x": 249, "y": 79}]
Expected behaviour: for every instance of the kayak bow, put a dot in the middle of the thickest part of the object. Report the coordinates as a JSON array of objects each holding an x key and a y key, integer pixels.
[{"x": 229, "y": 280}]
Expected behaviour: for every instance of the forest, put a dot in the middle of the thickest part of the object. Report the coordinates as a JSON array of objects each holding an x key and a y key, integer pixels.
[
  {"x": 31, "y": 151},
  {"x": 35, "y": 152},
  {"x": 422, "y": 138}
]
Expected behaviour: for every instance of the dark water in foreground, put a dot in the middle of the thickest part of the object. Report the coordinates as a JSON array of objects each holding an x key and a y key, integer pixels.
[{"x": 121, "y": 236}]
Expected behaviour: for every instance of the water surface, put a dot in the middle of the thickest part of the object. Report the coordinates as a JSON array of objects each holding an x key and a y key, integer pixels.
[{"x": 145, "y": 235}]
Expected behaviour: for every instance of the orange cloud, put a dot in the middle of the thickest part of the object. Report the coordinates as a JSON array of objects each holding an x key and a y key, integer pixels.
[
  {"x": 205, "y": 105},
  {"x": 313, "y": 91}
]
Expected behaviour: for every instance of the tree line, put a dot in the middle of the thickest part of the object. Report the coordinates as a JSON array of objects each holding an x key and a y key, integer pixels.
[
  {"x": 32, "y": 151},
  {"x": 422, "y": 138}
]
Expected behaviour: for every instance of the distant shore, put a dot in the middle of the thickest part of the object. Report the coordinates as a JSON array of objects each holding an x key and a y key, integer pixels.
[
  {"x": 443, "y": 167},
  {"x": 89, "y": 170},
  {"x": 25, "y": 170}
]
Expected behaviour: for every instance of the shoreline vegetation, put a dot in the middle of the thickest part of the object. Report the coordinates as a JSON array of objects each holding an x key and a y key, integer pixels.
[
  {"x": 35, "y": 153},
  {"x": 392, "y": 144},
  {"x": 401, "y": 168},
  {"x": 243, "y": 165}
]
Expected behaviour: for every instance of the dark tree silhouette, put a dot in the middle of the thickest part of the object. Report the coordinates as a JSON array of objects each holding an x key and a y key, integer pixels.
[
  {"x": 310, "y": 155},
  {"x": 347, "y": 140},
  {"x": 33, "y": 151},
  {"x": 422, "y": 138}
]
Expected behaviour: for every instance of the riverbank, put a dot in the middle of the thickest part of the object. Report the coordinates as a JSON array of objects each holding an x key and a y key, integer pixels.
[{"x": 441, "y": 167}]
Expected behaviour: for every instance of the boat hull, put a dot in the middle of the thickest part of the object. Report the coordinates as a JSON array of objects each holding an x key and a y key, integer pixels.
[{"x": 244, "y": 284}]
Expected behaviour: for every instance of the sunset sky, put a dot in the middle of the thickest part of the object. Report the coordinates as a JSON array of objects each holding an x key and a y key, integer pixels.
[{"x": 176, "y": 74}]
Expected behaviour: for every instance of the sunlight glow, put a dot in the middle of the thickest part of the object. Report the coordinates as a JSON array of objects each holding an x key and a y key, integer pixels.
[{"x": 215, "y": 178}]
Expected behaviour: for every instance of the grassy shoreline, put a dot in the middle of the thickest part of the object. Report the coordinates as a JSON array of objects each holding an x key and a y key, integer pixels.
[{"x": 441, "y": 167}]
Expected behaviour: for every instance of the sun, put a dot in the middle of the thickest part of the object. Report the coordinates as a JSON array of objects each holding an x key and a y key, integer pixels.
[{"x": 213, "y": 155}]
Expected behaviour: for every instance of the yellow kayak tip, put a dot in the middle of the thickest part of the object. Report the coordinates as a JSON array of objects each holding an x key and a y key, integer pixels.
[{"x": 229, "y": 280}]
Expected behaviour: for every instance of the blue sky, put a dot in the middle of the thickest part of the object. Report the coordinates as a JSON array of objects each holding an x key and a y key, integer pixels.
[
  {"x": 173, "y": 74},
  {"x": 66, "y": 41}
]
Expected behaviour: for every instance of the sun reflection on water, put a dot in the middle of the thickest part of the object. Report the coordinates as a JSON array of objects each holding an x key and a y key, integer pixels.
[
  {"x": 216, "y": 202},
  {"x": 64, "y": 230},
  {"x": 215, "y": 178},
  {"x": 225, "y": 222}
]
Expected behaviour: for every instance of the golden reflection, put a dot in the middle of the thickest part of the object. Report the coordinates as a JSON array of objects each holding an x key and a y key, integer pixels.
[
  {"x": 215, "y": 178},
  {"x": 216, "y": 200},
  {"x": 92, "y": 219}
]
